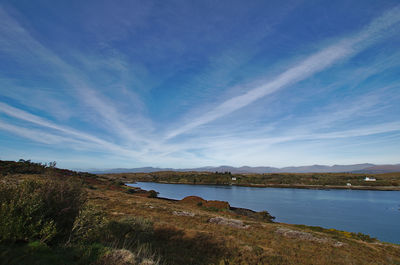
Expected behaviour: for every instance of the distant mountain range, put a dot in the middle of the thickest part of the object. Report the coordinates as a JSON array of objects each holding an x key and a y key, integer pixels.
[{"x": 357, "y": 168}]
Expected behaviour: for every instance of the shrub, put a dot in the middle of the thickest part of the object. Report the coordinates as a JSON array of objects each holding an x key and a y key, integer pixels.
[
  {"x": 21, "y": 167},
  {"x": 221, "y": 205},
  {"x": 211, "y": 209},
  {"x": 38, "y": 210},
  {"x": 130, "y": 191},
  {"x": 88, "y": 225},
  {"x": 153, "y": 194},
  {"x": 265, "y": 215},
  {"x": 365, "y": 237}
]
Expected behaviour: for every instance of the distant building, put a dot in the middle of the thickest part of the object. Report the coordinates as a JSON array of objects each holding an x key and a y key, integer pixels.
[
  {"x": 369, "y": 179},
  {"x": 233, "y": 178},
  {"x": 348, "y": 184}
]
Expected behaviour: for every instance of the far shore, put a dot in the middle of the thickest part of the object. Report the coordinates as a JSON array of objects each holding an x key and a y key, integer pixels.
[{"x": 289, "y": 186}]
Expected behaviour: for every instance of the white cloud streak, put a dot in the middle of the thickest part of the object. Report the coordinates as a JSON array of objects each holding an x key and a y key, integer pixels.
[
  {"x": 310, "y": 66},
  {"x": 15, "y": 39},
  {"x": 83, "y": 137},
  {"x": 35, "y": 135}
]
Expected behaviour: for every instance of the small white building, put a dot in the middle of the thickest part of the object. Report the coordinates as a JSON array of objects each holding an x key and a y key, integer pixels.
[
  {"x": 369, "y": 179},
  {"x": 233, "y": 178},
  {"x": 348, "y": 184}
]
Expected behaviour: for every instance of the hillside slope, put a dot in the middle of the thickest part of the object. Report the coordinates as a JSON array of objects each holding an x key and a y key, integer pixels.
[{"x": 194, "y": 231}]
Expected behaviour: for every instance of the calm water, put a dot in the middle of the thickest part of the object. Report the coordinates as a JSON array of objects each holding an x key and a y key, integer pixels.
[{"x": 376, "y": 213}]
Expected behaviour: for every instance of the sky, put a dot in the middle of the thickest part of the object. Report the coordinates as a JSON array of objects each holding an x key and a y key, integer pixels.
[{"x": 108, "y": 84}]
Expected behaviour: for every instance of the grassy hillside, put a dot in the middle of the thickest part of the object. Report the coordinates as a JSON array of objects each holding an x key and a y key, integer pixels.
[
  {"x": 390, "y": 181},
  {"x": 80, "y": 218}
]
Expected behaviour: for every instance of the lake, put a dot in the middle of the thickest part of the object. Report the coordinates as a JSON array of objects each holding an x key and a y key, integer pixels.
[{"x": 376, "y": 213}]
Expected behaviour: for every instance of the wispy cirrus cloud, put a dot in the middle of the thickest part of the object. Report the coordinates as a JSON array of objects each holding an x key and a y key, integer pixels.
[
  {"x": 70, "y": 135},
  {"x": 184, "y": 104},
  {"x": 308, "y": 67},
  {"x": 18, "y": 41}
]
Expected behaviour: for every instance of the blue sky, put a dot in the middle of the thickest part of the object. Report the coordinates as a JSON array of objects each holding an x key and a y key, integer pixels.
[{"x": 105, "y": 84}]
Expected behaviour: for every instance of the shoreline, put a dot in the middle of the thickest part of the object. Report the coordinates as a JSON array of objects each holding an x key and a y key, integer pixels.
[
  {"x": 240, "y": 210},
  {"x": 289, "y": 186}
]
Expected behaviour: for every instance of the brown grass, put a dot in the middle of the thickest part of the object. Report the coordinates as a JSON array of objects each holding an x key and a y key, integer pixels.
[{"x": 193, "y": 240}]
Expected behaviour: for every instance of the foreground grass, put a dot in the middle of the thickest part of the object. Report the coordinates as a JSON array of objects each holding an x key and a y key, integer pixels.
[
  {"x": 194, "y": 240},
  {"x": 116, "y": 224}
]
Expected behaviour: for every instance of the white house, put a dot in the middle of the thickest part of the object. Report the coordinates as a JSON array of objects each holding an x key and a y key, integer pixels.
[
  {"x": 233, "y": 178},
  {"x": 348, "y": 184},
  {"x": 369, "y": 179}
]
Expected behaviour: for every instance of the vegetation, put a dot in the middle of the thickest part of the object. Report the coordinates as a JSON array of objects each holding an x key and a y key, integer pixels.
[
  {"x": 64, "y": 217},
  {"x": 38, "y": 210},
  {"x": 49, "y": 221},
  {"x": 299, "y": 180},
  {"x": 338, "y": 233},
  {"x": 153, "y": 194}
]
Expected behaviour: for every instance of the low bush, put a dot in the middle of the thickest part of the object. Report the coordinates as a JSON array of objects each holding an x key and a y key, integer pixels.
[
  {"x": 21, "y": 167},
  {"x": 130, "y": 191},
  {"x": 88, "y": 225},
  {"x": 266, "y": 216},
  {"x": 153, "y": 194},
  {"x": 38, "y": 210},
  {"x": 338, "y": 233},
  {"x": 49, "y": 222}
]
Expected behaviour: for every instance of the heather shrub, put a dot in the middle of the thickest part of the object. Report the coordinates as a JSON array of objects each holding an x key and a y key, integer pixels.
[
  {"x": 153, "y": 194},
  {"x": 38, "y": 210},
  {"x": 88, "y": 225}
]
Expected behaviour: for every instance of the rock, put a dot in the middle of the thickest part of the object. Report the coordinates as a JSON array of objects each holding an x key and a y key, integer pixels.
[
  {"x": 120, "y": 257},
  {"x": 229, "y": 222},
  {"x": 147, "y": 262},
  {"x": 124, "y": 257},
  {"x": 295, "y": 234},
  {"x": 307, "y": 236},
  {"x": 183, "y": 213},
  {"x": 338, "y": 244}
]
